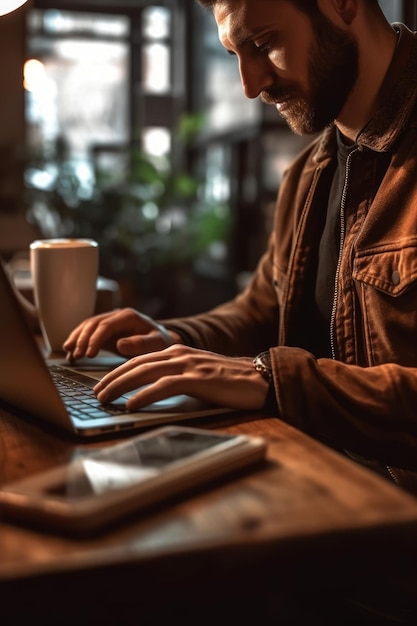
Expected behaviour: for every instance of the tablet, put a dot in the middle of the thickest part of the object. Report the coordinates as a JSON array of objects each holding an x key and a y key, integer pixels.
[{"x": 103, "y": 486}]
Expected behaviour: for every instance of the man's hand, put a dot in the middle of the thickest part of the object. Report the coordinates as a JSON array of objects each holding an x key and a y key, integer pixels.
[
  {"x": 124, "y": 331},
  {"x": 217, "y": 379}
]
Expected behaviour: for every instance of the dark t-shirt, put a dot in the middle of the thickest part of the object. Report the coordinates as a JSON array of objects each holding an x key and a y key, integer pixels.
[
  {"x": 329, "y": 250},
  {"x": 371, "y": 172}
]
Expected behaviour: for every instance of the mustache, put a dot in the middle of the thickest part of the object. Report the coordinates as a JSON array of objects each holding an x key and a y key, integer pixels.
[{"x": 274, "y": 96}]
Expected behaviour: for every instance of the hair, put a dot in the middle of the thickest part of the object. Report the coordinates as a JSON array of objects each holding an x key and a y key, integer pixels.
[
  {"x": 304, "y": 5},
  {"x": 307, "y": 6}
]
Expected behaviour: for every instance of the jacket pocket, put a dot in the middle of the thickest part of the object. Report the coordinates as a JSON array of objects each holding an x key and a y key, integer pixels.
[
  {"x": 386, "y": 287},
  {"x": 391, "y": 269}
]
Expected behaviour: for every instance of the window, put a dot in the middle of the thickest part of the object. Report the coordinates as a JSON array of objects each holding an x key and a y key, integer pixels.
[
  {"x": 392, "y": 9},
  {"x": 156, "y": 50},
  {"x": 157, "y": 74},
  {"x": 86, "y": 100},
  {"x": 76, "y": 80}
]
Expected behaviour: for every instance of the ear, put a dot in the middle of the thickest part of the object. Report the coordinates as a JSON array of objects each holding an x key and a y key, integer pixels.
[
  {"x": 347, "y": 9},
  {"x": 341, "y": 10}
]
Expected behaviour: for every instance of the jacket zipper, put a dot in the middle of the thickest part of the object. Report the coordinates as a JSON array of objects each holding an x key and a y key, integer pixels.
[
  {"x": 389, "y": 469},
  {"x": 392, "y": 474},
  {"x": 339, "y": 259}
]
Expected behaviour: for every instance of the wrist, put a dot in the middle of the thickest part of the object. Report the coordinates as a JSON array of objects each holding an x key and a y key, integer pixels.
[{"x": 263, "y": 364}]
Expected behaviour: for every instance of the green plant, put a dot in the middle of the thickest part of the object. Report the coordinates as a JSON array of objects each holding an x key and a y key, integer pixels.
[{"x": 150, "y": 225}]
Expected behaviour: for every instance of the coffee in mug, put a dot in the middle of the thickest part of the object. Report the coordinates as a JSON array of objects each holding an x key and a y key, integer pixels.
[{"x": 64, "y": 274}]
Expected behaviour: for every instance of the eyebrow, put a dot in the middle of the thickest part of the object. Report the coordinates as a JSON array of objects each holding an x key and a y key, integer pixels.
[{"x": 244, "y": 37}]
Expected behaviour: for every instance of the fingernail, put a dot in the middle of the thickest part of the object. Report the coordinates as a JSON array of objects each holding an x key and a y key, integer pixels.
[{"x": 102, "y": 397}]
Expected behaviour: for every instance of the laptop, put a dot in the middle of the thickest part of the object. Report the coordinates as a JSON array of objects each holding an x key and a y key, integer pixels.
[{"x": 35, "y": 385}]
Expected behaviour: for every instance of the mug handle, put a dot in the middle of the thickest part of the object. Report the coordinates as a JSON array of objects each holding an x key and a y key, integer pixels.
[{"x": 29, "y": 309}]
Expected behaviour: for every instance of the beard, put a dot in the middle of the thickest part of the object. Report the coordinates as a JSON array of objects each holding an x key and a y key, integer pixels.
[{"x": 332, "y": 72}]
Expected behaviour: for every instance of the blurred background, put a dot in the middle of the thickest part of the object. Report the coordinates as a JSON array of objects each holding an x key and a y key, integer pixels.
[{"x": 125, "y": 121}]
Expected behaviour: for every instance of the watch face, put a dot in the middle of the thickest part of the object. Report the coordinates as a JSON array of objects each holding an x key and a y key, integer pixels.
[{"x": 262, "y": 364}]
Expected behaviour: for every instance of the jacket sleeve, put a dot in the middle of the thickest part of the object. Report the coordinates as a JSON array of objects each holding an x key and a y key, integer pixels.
[
  {"x": 368, "y": 410},
  {"x": 243, "y": 326}
]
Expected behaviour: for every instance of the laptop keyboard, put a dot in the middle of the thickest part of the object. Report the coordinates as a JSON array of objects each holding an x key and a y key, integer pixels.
[{"x": 79, "y": 398}]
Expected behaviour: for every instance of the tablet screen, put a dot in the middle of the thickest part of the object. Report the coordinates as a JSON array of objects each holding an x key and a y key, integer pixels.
[{"x": 120, "y": 466}]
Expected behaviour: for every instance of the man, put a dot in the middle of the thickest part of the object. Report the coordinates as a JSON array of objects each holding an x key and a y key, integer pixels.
[
  {"x": 331, "y": 311},
  {"x": 325, "y": 334}
]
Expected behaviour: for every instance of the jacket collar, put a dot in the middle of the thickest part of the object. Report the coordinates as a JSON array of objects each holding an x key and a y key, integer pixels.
[{"x": 397, "y": 98}]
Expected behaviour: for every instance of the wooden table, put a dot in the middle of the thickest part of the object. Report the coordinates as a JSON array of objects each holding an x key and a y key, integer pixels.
[{"x": 308, "y": 519}]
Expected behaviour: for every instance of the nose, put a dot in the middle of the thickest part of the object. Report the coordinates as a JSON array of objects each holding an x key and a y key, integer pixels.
[{"x": 256, "y": 76}]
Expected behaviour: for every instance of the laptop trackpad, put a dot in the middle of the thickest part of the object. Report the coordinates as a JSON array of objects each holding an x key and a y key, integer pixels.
[{"x": 173, "y": 404}]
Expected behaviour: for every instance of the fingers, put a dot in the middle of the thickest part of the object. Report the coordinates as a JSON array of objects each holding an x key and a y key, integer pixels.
[
  {"x": 138, "y": 371},
  {"x": 163, "y": 388},
  {"x": 125, "y": 331},
  {"x": 101, "y": 331},
  {"x": 141, "y": 344},
  {"x": 78, "y": 342},
  {"x": 90, "y": 336},
  {"x": 177, "y": 370}
]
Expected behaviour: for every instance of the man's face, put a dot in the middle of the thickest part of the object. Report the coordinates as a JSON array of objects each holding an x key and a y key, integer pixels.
[{"x": 305, "y": 68}]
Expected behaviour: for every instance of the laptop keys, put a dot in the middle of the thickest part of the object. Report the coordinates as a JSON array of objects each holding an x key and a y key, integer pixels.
[{"x": 79, "y": 399}]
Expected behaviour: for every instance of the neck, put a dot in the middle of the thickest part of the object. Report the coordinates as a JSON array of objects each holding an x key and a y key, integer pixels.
[{"x": 373, "y": 66}]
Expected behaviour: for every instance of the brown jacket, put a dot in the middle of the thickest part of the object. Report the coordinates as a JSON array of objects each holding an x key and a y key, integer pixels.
[{"x": 364, "y": 399}]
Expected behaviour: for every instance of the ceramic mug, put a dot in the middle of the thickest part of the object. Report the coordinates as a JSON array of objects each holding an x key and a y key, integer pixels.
[{"x": 64, "y": 274}]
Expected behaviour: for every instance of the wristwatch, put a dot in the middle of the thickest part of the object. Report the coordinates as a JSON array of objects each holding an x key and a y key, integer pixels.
[{"x": 262, "y": 363}]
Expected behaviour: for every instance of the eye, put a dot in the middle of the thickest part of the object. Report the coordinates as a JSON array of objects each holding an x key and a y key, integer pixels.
[{"x": 263, "y": 47}]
